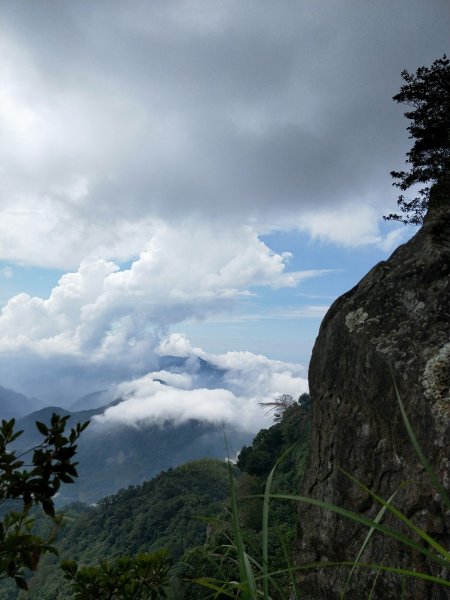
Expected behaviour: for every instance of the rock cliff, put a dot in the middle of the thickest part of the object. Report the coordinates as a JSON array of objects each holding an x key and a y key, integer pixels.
[{"x": 397, "y": 317}]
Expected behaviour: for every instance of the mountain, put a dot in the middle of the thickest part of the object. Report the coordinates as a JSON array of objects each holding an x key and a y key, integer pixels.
[
  {"x": 205, "y": 374},
  {"x": 114, "y": 457},
  {"x": 186, "y": 511},
  {"x": 15, "y": 405},
  {"x": 92, "y": 400}
]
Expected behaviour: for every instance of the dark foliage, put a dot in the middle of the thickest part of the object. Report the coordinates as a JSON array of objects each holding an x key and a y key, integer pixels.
[
  {"x": 287, "y": 441},
  {"x": 291, "y": 417},
  {"x": 24, "y": 485},
  {"x": 141, "y": 577},
  {"x": 167, "y": 512},
  {"x": 259, "y": 458},
  {"x": 184, "y": 510},
  {"x": 427, "y": 92}
]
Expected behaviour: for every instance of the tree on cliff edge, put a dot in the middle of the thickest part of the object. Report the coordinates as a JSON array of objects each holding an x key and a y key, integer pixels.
[{"x": 427, "y": 92}]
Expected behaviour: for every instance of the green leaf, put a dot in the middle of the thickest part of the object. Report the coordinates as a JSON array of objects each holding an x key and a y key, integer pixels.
[{"x": 42, "y": 428}]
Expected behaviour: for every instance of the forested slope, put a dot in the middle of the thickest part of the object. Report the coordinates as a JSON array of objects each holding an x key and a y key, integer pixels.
[
  {"x": 114, "y": 457},
  {"x": 184, "y": 510},
  {"x": 161, "y": 513}
]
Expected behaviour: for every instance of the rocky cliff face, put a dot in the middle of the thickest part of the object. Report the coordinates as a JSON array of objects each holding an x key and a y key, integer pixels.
[{"x": 397, "y": 317}]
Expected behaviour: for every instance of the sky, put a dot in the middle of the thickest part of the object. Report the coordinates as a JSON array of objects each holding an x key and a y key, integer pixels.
[{"x": 198, "y": 174}]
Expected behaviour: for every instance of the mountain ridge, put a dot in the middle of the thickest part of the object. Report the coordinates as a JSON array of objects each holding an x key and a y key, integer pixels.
[{"x": 113, "y": 457}]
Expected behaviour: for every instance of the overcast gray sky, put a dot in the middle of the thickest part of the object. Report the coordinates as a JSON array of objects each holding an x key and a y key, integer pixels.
[
  {"x": 191, "y": 137},
  {"x": 264, "y": 112}
]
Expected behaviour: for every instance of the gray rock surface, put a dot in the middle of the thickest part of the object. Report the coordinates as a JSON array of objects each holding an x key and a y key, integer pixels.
[{"x": 397, "y": 317}]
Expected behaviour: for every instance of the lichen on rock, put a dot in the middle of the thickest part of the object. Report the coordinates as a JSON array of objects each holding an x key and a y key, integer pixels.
[
  {"x": 355, "y": 319},
  {"x": 436, "y": 375}
]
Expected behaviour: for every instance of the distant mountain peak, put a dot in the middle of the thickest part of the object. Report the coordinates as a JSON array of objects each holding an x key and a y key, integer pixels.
[{"x": 15, "y": 405}]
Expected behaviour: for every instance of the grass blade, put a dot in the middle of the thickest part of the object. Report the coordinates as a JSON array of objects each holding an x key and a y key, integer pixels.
[
  {"x": 290, "y": 567},
  {"x": 213, "y": 584},
  {"x": 245, "y": 571},
  {"x": 265, "y": 533},
  {"x": 373, "y": 567},
  {"x": 372, "y": 589},
  {"x": 367, "y": 539},
  {"x": 432, "y": 542},
  {"x": 437, "y": 484},
  {"x": 265, "y": 525},
  {"x": 363, "y": 521}
]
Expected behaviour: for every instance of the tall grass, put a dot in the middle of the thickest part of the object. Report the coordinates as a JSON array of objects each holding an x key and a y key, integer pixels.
[
  {"x": 255, "y": 579},
  {"x": 258, "y": 582}
]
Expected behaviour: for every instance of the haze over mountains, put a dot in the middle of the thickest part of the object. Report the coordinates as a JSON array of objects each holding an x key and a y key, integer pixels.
[
  {"x": 181, "y": 412},
  {"x": 116, "y": 456},
  {"x": 187, "y": 383},
  {"x": 14, "y": 404}
]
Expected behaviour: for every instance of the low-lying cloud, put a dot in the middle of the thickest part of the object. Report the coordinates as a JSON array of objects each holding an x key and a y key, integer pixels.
[{"x": 243, "y": 381}]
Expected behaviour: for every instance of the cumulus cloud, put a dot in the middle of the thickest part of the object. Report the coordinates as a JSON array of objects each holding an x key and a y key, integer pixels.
[
  {"x": 349, "y": 226},
  {"x": 114, "y": 116},
  {"x": 103, "y": 315},
  {"x": 144, "y": 147},
  {"x": 244, "y": 380},
  {"x": 177, "y": 344}
]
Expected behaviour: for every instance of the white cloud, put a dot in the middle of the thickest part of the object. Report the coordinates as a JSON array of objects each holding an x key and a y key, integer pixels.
[
  {"x": 246, "y": 379},
  {"x": 246, "y": 373},
  {"x": 286, "y": 312},
  {"x": 177, "y": 344},
  {"x": 58, "y": 142},
  {"x": 261, "y": 376},
  {"x": 103, "y": 315},
  {"x": 176, "y": 133},
  {"x": 200, "y": 111},
  {"x": 349, "y": 225},
  {"x": 182, "y": 381},
  {"x": 157, "y": 405},
  {"x": 393, "y": 238}
]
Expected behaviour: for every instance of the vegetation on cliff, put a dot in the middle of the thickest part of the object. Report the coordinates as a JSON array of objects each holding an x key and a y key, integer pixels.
[{"x": 427, "y": 92}]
